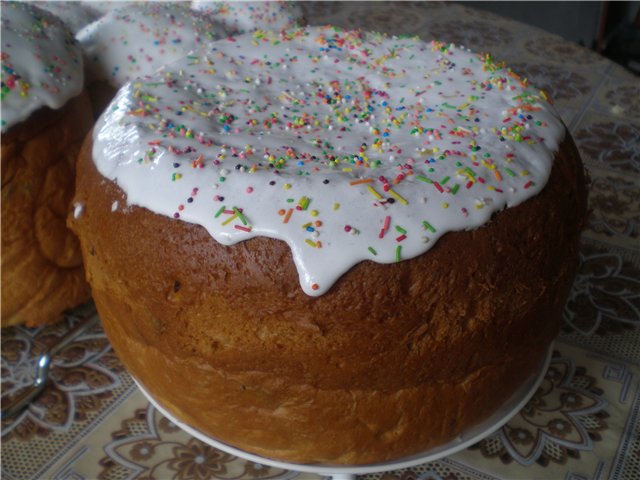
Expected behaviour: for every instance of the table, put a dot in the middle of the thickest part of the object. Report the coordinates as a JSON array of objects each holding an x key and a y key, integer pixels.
[{"x": 93, "y": 422}]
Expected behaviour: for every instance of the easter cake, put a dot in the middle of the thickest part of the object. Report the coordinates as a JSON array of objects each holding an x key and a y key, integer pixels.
[
  {"x": 45, "y": 117},
  {"x": 330, "y": 246}
]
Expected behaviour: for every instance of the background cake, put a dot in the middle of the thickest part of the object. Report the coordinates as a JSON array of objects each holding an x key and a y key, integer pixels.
[
  {"x": 75, "y": 15},
  {"x": 245, "y": 17},
  {"x": 45, "y": 116},
  {"x": 298, "y": 243},
  {"x": 133, "y": 40}
]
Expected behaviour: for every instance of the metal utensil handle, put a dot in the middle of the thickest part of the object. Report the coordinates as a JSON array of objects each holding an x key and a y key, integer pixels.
[{"x": 16, "y": 404}]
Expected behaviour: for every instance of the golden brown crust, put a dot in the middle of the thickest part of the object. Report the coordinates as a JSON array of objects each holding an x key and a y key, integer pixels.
[
  {"x": 42, "y": 271},
  {"x": 394, "y": 359}
]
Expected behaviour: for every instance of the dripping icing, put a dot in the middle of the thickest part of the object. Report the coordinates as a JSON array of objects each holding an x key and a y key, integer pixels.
[{"x": 364, "y": 147}]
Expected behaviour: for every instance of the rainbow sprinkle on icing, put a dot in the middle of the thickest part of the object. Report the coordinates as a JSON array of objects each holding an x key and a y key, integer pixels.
[
  {"x": 134, "y": 40},
  {"x": 41, "y": 62},
  {"x": 344, "y": 144},
  {"x": 244, "y": 17}
]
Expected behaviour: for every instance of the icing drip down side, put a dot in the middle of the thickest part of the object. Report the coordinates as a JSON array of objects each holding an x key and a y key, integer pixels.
[{"x": 346, "y": 145}]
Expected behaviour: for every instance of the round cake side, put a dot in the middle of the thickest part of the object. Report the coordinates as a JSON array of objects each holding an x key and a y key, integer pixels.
[{"x": 392, "y": 360}]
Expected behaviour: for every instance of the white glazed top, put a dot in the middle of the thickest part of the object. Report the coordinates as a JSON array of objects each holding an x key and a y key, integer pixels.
[
  {"x": 41, "y": 62},
  {"x": 110, "y": 5},
  {"x": 135, "y": 40},
  {"x": 346, "y": 145},
  {"x": 243, "y": 17},
  {"x": 76, "y": 15}
]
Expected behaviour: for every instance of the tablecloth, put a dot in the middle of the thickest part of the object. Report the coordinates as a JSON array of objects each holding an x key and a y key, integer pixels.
[{"x": 582, "y": 423}]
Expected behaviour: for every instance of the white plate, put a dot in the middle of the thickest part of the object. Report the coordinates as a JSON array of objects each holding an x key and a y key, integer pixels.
[{"x": 474, "y": 434}]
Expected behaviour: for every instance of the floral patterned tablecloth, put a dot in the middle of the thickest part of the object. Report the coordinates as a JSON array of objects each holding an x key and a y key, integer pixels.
[{"x": 583, "y": 422}]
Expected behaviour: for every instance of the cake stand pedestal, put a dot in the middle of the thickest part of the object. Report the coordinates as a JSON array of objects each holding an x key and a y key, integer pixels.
[{"x": 346, "y": 472}]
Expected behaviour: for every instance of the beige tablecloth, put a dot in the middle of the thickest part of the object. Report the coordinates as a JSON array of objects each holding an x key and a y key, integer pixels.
[{"x": 583, "y": 423}]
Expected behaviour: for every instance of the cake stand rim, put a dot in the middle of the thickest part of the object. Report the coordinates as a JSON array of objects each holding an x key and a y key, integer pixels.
[{"x": 472, "y": 435}]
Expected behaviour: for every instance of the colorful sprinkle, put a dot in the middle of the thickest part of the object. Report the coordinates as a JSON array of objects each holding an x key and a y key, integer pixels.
[{"x": 347, "y": 151}]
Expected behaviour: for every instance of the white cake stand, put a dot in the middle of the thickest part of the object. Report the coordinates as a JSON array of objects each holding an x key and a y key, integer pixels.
[{"x": 344, "y": 472}]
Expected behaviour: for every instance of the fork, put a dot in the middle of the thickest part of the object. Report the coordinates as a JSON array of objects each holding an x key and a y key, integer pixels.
[{"x": 28, "y": 394}]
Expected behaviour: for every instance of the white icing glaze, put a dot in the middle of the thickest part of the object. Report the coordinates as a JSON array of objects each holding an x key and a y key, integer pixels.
[
  {"x": 109, "y": 5},
  {"x": 76, "y": 15},
  {"x": 441, "y": 135},
  {"x": 41, "y": 62},
  {"x": 135, "y": 40},
  {"x": 78, "y": 210},
  {"x": 244, "y": 17}
]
